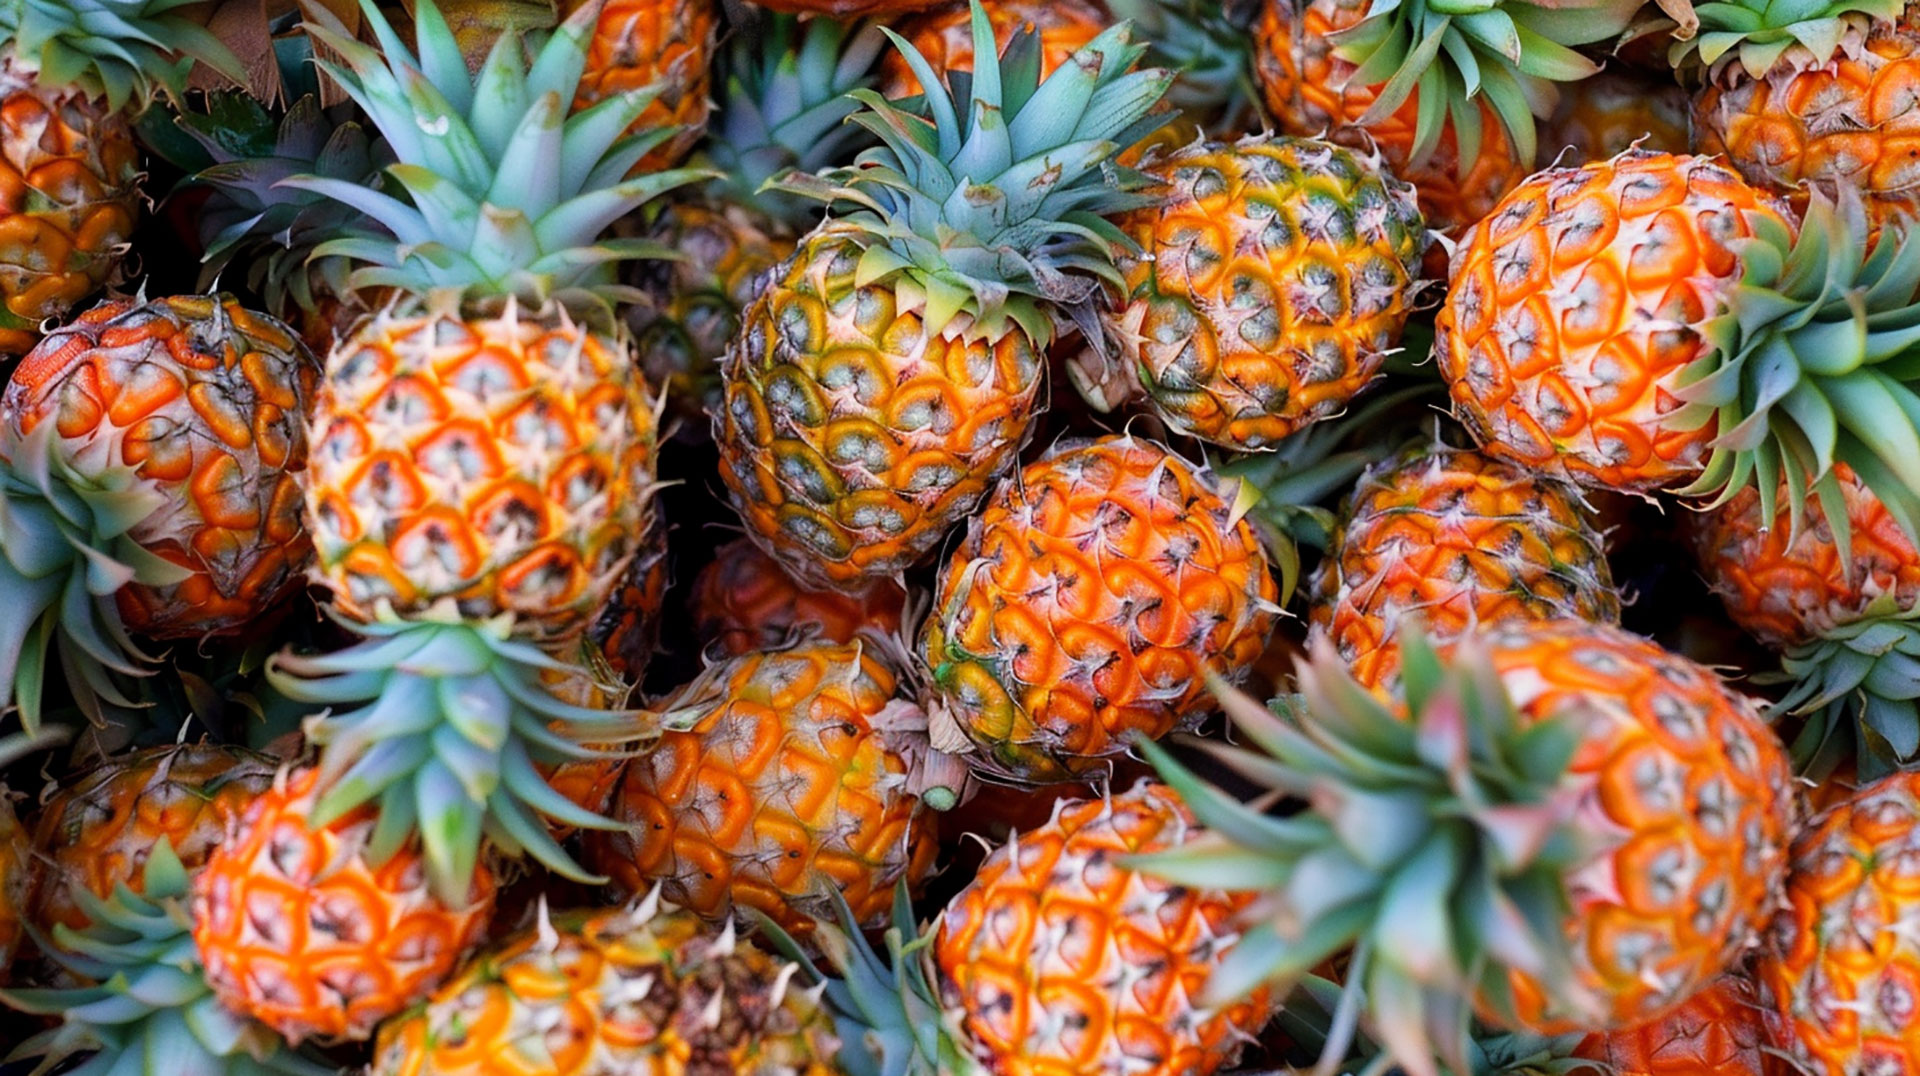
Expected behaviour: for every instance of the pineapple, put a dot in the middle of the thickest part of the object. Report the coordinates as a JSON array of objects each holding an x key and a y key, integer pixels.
[
  {"x": 743, "y": 602},
  {"x": 891, "y": 370},
  {"x": 1821, "y": 98},
  {"x": 1454, "y": 541},
  {"x": 98, "y": 829},
  {"x": 483, "y": 449},
  {"x": 646, "y": 990},
  {"x": 1840, "y": 603},
  {"x": 1722, "y": 1031},
  {"x": 1092, "y": 601},
  {"x": 316, "y": 931},
  {"x": 19, "y": 882},
  {"x": 1208, "y": 42},
  {"x": 1653, "y": 321},
  {"x": 1840, "y": 961},
  {"x": 149, "y": 463},
  {"x": 1564, "y": 828},
  {"x": 1612, "y": 112},
  {"x": 144, "y": 1007},
  {"x": 1446, "y": 95},
  {"x": 1275, "y": 276},
  {"x": 665, "y": 47},
  {"x": 798, "y": 770},
  {"x": 72, "y": 74},
  {"x": 944, "y": 36}
]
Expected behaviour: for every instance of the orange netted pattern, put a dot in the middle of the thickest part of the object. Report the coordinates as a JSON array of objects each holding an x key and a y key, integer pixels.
[
  {"x": 1721, "y": 1031},
  {"x": 745, "y": 601},
  {"x": 662, "y": 44}
]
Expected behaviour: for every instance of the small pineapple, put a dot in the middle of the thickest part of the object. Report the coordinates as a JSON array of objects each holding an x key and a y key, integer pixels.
[
  {"x": 944, "y": 36},
  {"x": 891, "y": 370},
  {"x": 799, "y": 770},
  {"x": 744, "y": 601}
]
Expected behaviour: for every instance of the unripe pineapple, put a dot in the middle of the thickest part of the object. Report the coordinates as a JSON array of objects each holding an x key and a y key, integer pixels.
[{"x": 744, "y": 601}]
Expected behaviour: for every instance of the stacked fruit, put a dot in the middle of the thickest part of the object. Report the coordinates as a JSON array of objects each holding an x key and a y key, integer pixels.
[{"x": 1524, "y": 396}]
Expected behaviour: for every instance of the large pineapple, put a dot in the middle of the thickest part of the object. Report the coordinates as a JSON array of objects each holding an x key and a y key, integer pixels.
[
  {"x": 1653, "y": 321},
  {"x": 1091, "y": 602},
  {"x": 892, "y": 369},
  {"x": 645, "y": 990},
  {"x": 1275, "y": 276},
  {"x": 664, "y": 48},
  {"x": 800, "y": 769},
  {"x": 149, "y": 463},
  {"x": 944, "y": 36},
  {"x": 72, "y": 73},
  {"x": 1452, "y": 541},
  {"x": 1564, "y": 827},
  {"x": 482, "y": 465},
  {"x": 744, "y": 601}
]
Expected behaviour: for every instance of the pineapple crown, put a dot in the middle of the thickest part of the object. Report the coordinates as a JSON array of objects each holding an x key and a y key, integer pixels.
[
  {"x": 149, "y": 1009},
  {"x": 1436, "y": 845},
  {"x": 1814, "y": 359},
  {"x": 784, "y": 106},
  {"x": 993, "y": 201},
  {"x": 1857, "y": 689},
  {"x": 1755, "y": 34},
  {"x": 1311, "y": 1015},
  {"x": 125, "y": 50},
  {"x": 1209, "y": 44},
  {"x": 1454, "y": 51},
  {"x": 445, "y": 721},
  {"x": 506, "y": 193}
]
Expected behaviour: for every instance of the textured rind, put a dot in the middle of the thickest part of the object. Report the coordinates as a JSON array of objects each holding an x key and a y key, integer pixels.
[
  {"x": 1681, "y": 788},
  {"x": 1842, "y": 963},
  {"x": 69, "y": 196},
  {"x": 299, "y": 931},
  {"x": 850, "y": 442},
  {"x": 96, "y": 832},
  {"x": 1310, "y": 92},
  {"x": 1459, "y": 541},
  {"x": 1063, "y": 963},
  {"x": 1281, "y": 272},
  {"x": 790, "y": 779},
  {"x": 1569, "y": 320},
  {"x": 19, "y": 878},
  {"x": 943, "y": 36},
  {"x": 744, "y": 601},
  {"x": 1609, "y": 114},
  {"x": 1089, "y": 601},
  {"x": 505, "y": 463},
  {"x": 1787, "y": 594},
  {"x": 641, "y": 43},
  {"x": 1721, "y": 1031},
  {"x": 1849, "y": 122},
  {"x": 207, "y": 403}
]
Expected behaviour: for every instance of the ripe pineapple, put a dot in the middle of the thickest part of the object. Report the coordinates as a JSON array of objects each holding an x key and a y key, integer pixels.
[
  {"x": 72, "y": 74},
  {"x": 944, "y": 36},
  {"x": 1275, "y": 276},
  {"x": 97, "y": 831},
  {"x": 143, "y": 1006},
  {"x": 1527, "y": 837},
  {"x": 1840, "y": 603},
  {"x": 149, "y": 454},
  {"x": 1611, "y": 113},
  {"x": 19, "y": 881},
  {"x": 1840, "y": 961},
  {"x": 743, "y": 601},
  {"x": 798, "y": 771},
  {"x": 891, "y": 370},
  {"x": 315, "y": 929},
  {"x": 1695, "y": 340},
  {"x": 483, "y": 449},
  {"x": 1817, "y": 99},
  {"x": 645, "y": 989},
  {"x": 1721, "y": 1031},
  {"x": 663, "y": 46},
  {"x": 1055, "y": 959},
  {"x": 1453, "y": 541},
  {"x": 1368, "y": 73},
  {"x": 1090, "y": 602}
]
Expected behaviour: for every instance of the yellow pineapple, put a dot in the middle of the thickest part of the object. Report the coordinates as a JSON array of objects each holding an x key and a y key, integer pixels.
[{"x": 662, "y": 47}]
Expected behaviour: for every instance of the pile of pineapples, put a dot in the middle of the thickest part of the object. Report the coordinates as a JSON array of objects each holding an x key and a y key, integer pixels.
[{"x": 916, "y": 538}]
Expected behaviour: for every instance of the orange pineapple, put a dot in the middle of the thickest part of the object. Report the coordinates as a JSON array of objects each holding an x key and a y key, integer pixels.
[
  {"x": 19, "y": 880},
  {"x": 1721, "y": 1031},
  {"x": 1611, "y": 113},
  {"x": 1090, "y": 602},
  {"x": 665, "y": 45},
  {"x": 744, "y": 601},
  {"x": 1453, "y": 540},
  {"x": 300, "y": 929},
  {"x": 942, "y": 35},
  {"x": 797, "y": 771},
  {"x": 98, "y": 829},
  {"x": 1841, "y": 962}
]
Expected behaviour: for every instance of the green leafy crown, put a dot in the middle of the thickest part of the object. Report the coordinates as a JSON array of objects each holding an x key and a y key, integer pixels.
[
  {"x": 1857, "y": 691},
  {"x": 504, "y": 191},
  {"x": 994, "y": 199},
  {"x": 127, "y": 50},
  {"x": 1754, "y": 34},
  {"x": 1209, "y": 44}
]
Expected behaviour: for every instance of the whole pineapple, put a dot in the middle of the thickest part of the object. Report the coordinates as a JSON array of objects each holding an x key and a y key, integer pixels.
[
  {"x": 660, "y": 47},
  {"x": 891, "y": 370},
  {"x": 744, "y": 601},
  {"x": 1275, "y": 275},
  {"x": 1091, "y": 602},
  {"x": 1614, "y": 111},
  {"x": 799, "y": 771},
  {"x": 944, "y": 36}
]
